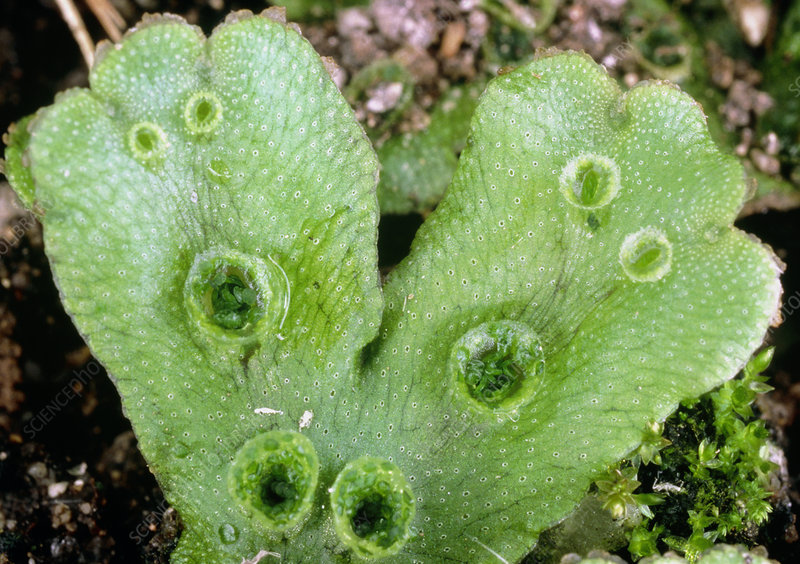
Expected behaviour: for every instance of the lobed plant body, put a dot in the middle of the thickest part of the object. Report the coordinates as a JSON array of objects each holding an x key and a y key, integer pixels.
[{"x": 210, "y": 214}]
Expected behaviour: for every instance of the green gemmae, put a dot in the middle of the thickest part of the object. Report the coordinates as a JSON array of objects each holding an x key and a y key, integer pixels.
[{"x": 209, "y": 210}]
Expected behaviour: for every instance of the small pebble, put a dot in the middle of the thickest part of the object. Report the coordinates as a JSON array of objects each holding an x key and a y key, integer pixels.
[
  {"x": 60, "y": 515},
  {"x": 452, "y": 39},
  {"x": 764, "y": 162},
  {"x": 384, "y": 97},
  {"x": 753, "y": 19},
  {"x": 746, "y": 140},
  {"x": 351, "y": 20},
  {"x": 631, "y": 79},
  {"x": 763, "y": 102},
  {"x": 57, "y": 489},
  {"x": 771, "y": 143},
  {"x": 37, "y": 470}
]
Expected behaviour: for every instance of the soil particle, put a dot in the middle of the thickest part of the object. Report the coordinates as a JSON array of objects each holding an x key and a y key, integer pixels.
[
  {"x": 588, "y": 25},
  {"x": 743, "y": 101},
  {"x": 42, "y": 501},
  {"x": 477, "y": 28},
  {"x": 408, "y": 22},
  {"x": 383, "y": 97},
  {"x": 752, "y": 17},
  {"x": 607, "y": 10},
  {"x": 764, "y": 162},
  {"x": 461, "y": 66},
  {"x": 780, "y": 407},
  {"x": 62, "y": 517},
  {"x": 357, "y": 44},
  {"x": 744, "y": 104},
  {"x": 771, "y": 143},
  {"x": 420, "y": 64},
  {"x": 438, "y": 42},
  {"x": 353, "y": 21},
  {"x": 434, "y": 40},
  {"x": 60, "y": 501},
  {"x": 745, "y": 140},
  {"x": 722, "y": 67},
  {"x": 453, "y": 37},
  {"x": 10, "y": 395}
]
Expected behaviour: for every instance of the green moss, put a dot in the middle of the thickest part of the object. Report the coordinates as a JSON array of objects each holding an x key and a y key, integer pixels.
[{"x": 714, "y": 474}]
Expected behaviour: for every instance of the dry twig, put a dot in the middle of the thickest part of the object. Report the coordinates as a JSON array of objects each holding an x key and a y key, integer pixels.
[
  {"x": 75, "y": 23},
  {"x": 112, "y": 21}
]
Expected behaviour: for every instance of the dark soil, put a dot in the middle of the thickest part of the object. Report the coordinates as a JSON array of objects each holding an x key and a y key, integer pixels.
[{"x": 73, "y": 486}]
